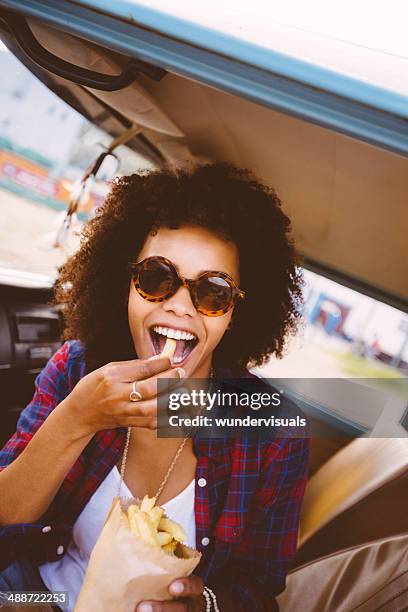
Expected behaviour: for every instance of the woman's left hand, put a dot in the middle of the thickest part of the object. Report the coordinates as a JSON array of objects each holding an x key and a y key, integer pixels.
[{"x": 189, "y": 597}]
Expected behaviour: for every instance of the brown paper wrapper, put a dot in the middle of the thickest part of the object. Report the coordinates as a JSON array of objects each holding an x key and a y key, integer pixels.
[{"x": 124, "y": 571}]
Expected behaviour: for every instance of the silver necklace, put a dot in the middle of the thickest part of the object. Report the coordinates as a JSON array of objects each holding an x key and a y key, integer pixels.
[{"x": 171, "y": 466}]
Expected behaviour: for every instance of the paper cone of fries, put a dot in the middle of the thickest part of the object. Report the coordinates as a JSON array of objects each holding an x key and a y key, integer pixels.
[{"x": 137, "y": 555}]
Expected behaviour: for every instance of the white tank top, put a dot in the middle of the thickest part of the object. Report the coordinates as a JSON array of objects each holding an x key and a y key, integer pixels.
[{"x": 67, "y": 574}]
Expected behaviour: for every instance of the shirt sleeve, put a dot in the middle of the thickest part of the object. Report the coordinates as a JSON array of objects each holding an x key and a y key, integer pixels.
[
  {"x": 51, "y": 387},
  {"x": 259, "y": 563}
]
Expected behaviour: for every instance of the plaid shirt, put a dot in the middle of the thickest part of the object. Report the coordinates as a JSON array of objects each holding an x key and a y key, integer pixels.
[{"x": 247, "y": 512}]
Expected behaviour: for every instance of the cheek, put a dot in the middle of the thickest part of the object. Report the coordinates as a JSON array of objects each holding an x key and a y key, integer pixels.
[
  {"x": 216, "y": 328},
  {"x": 138, "y": 309}
]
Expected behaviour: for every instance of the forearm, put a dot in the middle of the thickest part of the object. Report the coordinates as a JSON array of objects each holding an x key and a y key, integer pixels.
[{"x": 29, "y": 484}]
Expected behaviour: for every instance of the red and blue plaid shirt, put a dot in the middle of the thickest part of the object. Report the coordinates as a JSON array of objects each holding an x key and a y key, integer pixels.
[{"x": 247, "y": 513}]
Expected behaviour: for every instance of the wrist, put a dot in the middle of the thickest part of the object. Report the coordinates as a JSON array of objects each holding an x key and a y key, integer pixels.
[{"x": 68, "y": 414}]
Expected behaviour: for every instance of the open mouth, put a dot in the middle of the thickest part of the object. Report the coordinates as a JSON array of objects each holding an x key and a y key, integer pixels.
[{"x": 185, "y": 341}]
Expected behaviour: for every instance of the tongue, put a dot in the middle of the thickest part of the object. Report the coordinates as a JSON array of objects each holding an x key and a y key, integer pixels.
[{"x": 179, "y": 348}]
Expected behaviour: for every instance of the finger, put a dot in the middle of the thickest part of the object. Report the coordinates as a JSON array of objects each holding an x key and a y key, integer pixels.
[
  {"x": 149, "y": 387},
  {"x": 162, "y": 606},
  {"x": 135, "y": 369},
  {"x": 143, "y": 408},
  {"x": 191, "y": 586}
]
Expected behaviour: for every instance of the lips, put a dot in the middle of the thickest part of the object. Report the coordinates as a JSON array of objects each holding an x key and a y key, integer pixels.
[{"x": 185, "y": 341}]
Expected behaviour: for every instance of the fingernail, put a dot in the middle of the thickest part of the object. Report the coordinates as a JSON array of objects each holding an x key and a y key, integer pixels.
[
  {"x": 145, "y": 607},
  {"x": 181, "y": 372},
  {"x": 176, "y": 588},
  {"x": 151, "y": 359}
]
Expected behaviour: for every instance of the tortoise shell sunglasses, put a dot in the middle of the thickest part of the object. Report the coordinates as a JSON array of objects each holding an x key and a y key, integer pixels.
[{"x": 213, "y": 293}]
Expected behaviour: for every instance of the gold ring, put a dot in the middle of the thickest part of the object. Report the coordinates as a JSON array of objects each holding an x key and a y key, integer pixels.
[{"x": 135, "y": 396}]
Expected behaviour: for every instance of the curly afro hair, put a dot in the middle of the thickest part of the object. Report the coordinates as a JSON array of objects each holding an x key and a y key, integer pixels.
[{"x": 93, "y": 285}]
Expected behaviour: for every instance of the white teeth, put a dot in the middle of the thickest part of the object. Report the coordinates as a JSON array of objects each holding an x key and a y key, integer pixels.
[
  {"x": 177, "y": 359},
  {"x": 177, "y": 334}
]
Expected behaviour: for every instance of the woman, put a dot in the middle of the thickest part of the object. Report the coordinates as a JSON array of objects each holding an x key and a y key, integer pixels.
[{"x": 238, "y": 501}]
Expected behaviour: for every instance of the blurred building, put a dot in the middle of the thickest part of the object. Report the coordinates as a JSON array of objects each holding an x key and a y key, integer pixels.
[
  {"x": 357, "y": 318},
  {"x": 51, "y": 130}
]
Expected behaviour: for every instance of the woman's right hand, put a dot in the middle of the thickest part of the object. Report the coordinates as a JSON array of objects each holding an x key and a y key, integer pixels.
[{"x": 100, "y": 400}]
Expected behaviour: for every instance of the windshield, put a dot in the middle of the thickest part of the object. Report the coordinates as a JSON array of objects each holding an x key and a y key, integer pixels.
[{"x": 45, "y": 148}]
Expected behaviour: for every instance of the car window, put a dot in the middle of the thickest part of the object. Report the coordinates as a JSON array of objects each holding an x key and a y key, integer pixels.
[
  {"x": 45, "y": 147},
  {"x": 346, "y": 334},
  {"x": 349, "y": 365}
]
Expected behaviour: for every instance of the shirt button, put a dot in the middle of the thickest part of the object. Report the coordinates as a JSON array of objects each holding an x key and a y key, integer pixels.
[
  {"x": 205, "y": 541},
  {"x": 60, "y": 549},
  {"x": 202, "y": 482},
  {"x": 46, "y": 529}
]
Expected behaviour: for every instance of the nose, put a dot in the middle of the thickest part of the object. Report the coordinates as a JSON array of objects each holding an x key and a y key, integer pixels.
[{"x": 180, "y": 303}]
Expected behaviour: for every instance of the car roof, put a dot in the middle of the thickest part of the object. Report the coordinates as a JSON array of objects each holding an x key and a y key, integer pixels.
[
  {"x": 330, "y": 45},
  {"x": 326, "y": 75}
]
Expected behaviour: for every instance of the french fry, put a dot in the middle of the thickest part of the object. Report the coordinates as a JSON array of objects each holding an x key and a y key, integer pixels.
[
  {"x": 170, "y": 547},
  {"x": 155, "y": 515},
  {"x": 164, "y": 538},
  {"x": 149, "y": 524},
  {"x": 173, "y": 528},
  {"x": 147, "y": 532},
  {"x": 169, "y": 348},
  {"x": 147, "y": 503}
]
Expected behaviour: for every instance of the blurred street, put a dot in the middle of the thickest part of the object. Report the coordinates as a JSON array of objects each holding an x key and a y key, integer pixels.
[{"x": 37, "y": 226}]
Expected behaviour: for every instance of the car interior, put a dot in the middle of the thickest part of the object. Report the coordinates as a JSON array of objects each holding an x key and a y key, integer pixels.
[{"x": 347, "y": 202}]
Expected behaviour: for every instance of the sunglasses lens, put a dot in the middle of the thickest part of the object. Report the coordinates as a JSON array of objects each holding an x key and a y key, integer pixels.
[
  {"x": 214, "y": 295},
  {"x": 156, "y": 279}
]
